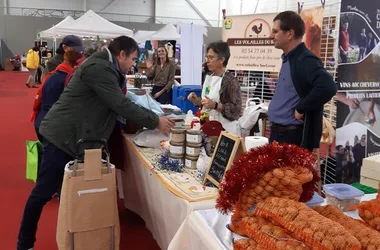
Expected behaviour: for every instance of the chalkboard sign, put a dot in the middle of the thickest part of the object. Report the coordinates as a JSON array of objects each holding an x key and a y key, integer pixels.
[
  {"x": 221, "y": 158},
  {"x": 210, "y": 184},
  {"x": 227, "y": 148}
]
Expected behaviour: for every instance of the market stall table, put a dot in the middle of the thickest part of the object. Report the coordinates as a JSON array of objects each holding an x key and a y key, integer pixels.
[
  {"x": 163, "y": 199},
  {"x": 206, "y": 230}
]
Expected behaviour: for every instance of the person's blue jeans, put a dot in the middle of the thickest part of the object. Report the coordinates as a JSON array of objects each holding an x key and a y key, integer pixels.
[
  {"x": 40, "y": 150},
  {"x": 49, "y": 180}
]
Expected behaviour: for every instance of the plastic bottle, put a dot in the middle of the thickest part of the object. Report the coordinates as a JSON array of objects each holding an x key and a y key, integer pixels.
[{"x": 189, "y": 118}]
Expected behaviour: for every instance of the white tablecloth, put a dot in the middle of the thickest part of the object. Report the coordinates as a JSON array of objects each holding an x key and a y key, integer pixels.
[
  {"x": 162, "y": 211},
  {"x": 206, "y": 230},
  {"x": 143, "y": 76}
]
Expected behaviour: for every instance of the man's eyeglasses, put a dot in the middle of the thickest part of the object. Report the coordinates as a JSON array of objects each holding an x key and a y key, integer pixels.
[{"x": 210, "y": 58}]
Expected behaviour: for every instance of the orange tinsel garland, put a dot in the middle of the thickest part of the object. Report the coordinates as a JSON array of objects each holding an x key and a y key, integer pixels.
[{"x": 250, "y": 165}]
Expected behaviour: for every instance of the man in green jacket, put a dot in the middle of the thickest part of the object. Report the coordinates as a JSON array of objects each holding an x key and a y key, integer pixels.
[{"x": 87, "y": 108}]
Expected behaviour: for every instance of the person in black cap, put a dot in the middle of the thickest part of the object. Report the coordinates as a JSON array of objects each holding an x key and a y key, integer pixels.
[
  {"x": 57, "y": 76},
  {"x": 69, "y": 42},
  {"x": 49, "y": 92}
]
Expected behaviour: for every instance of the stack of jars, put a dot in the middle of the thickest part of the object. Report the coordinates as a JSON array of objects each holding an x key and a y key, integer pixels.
[
  {"x": 193, "y": 147},
  {"x": 177, "y": 144},
  {"x": 185, "y": 146}
]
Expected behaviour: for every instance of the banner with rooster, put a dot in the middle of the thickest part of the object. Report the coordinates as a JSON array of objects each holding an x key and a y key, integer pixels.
[
  {"x": 251, "y": 46},
  {"x": 358, "y": 97}
]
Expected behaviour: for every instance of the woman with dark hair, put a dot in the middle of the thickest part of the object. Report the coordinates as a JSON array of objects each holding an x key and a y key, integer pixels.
[
  {"x": 54, "y": 61},
  {"x": 32, "y": 64},
  {"x": 163, "y": 72},
  {"x": 221, "y": 95}
]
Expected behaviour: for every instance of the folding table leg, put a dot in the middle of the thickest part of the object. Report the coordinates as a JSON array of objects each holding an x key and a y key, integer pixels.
[
  {"x": 112, "y": 238},
  {"x": 71, "y": 241}
]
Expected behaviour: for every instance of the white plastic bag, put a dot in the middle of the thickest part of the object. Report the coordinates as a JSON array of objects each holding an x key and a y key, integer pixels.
[
  {"x": 203, "y": 161},
  {"x": 232, "y": 127},
  {"x": 249, "y": 118},
  {"x": 149, "y": 138},
  {"x": 146, "y": 101}
]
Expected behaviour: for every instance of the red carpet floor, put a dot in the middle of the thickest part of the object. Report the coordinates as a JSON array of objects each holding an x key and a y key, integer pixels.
[{"x": 15, "y": 108}]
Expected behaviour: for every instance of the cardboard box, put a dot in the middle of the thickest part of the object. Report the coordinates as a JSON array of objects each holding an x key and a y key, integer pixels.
[
  {"x": 8, "y": 66},
  {"x": 370, "y": 171},
  {"x": 369, "y": 182}
]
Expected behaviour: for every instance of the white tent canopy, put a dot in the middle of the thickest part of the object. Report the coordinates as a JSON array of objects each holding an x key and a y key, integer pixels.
[
  {"x": 141, "y": 35},
  {"x": 51, "y": 32},
  {"x": 92, "y": 25},
  {"x": 168, "y": 32}
]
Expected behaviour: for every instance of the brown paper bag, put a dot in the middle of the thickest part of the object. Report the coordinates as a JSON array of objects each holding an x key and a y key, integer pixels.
[{"x": 88, "y": 215}]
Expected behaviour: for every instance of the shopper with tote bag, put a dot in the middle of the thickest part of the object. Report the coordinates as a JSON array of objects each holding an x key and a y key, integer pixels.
[{"x": 87, "y": 109}]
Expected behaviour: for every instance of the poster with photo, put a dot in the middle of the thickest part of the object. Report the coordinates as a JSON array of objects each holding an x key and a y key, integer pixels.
[
  {"x": 252, "y": 47},
  {"x": 358, "y": 97}
]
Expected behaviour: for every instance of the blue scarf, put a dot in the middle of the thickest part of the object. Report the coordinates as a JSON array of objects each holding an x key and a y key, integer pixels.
[
  {"x": 117, "y": 68},
  {"x": 120, "y": 122}
]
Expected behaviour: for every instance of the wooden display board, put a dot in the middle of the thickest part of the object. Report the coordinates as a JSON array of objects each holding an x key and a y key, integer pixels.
[{"x": 227, "y": 148}]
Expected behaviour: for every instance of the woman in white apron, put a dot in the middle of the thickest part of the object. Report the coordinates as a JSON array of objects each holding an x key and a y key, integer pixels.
[{"x": 221, "y": 95}]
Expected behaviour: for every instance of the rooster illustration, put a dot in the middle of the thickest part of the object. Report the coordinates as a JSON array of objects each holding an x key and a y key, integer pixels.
[{"x": 257, "y": 30}]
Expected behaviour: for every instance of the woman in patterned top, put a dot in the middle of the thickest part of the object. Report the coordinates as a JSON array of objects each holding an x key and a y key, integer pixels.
[
  {"x": 221, "y": 95},
  {"x": 163, "y": 72}
]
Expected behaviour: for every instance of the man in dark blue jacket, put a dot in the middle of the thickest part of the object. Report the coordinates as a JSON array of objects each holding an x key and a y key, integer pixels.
[
  {"x": 52, "y": 89},
  {"x": 303, "y": 87}
]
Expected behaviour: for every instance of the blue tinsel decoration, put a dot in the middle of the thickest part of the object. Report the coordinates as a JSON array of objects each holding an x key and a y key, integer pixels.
[
  {"x": 201, "y": 175},
  {"x": 165, "y": 163}
]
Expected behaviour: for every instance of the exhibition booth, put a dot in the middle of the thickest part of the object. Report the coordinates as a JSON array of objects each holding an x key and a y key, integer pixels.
[
  {"x": 245, "y": 193},
  {"x": 89, "y": 24},
  {"x": 218, "y": 184}
]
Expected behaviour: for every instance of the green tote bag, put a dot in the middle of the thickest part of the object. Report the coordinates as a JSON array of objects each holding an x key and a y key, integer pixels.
[{"x": 32, "y": 154}]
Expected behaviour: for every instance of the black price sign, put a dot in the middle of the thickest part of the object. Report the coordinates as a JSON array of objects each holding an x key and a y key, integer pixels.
[
  {"x": 221, "y": 158},
  {"x": 227, "y": 148}
]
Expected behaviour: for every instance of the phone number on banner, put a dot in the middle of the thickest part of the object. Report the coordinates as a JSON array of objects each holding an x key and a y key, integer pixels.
[{"x": 256, "y": 51}]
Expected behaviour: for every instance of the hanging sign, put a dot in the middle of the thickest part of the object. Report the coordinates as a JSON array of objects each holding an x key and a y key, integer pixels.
[{"x": 251, "y": 44}]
